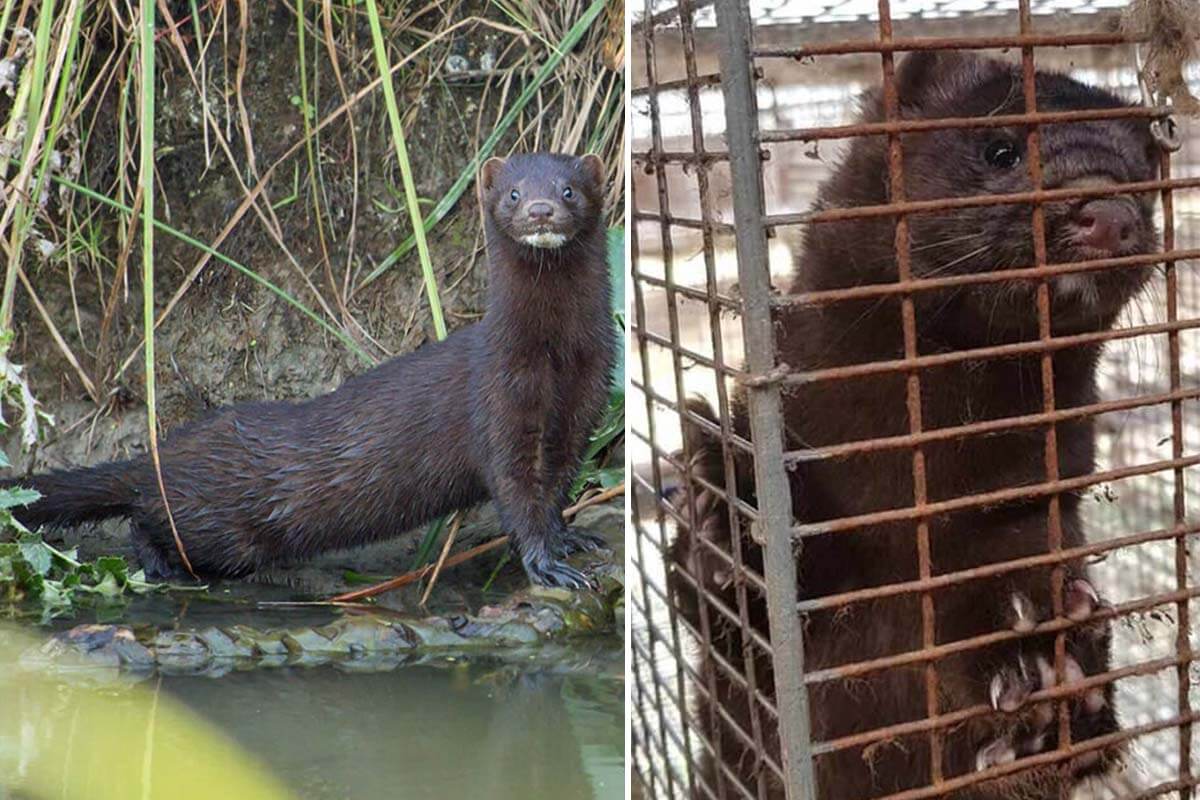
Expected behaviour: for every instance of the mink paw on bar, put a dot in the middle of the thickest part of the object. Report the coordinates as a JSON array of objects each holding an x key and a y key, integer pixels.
[{"x": 1034, "y": 726}]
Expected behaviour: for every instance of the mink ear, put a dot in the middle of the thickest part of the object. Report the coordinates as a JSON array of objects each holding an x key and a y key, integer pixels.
[
  {"x": 489, "y": 172},
  {"x": 594, "y": 167},
  {"x": 926, "y": 76}
]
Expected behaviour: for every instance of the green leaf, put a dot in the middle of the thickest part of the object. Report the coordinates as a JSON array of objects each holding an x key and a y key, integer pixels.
[
  {"x": 17, "y": 496},
  {"x": 4, "y": 462},
  {"x": 114, "y": 566},
  {"x": 108, "y": 587},
  {"x": 616, "y": 270},
  {"x": 611, "y": 477},
  {"x": 35, "y": 553}
]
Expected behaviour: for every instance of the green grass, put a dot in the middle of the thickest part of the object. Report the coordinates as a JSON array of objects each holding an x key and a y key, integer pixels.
[
  {"x": 488, "y": 147},
  {"x": 410, "y": 189}
]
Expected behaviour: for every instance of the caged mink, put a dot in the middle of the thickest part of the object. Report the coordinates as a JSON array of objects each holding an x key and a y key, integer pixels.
[
  {"x": 947, "y": 163},
  {"x": 500, "y": 409}
]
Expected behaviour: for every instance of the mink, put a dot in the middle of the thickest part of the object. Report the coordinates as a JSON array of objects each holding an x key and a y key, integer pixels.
[
  {"x": 941, "y": 164},
  {"x": 500, "y": 409}
]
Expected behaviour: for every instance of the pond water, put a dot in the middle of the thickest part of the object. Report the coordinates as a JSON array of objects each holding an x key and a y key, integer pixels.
[
  {"x": 473, "y": 730},
  {"x": 542, "y": 722}
]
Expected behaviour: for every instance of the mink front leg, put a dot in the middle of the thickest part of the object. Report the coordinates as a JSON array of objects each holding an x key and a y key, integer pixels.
[
  {"x": 517, "y": 420},
  {"x": 575, "y": 415}
]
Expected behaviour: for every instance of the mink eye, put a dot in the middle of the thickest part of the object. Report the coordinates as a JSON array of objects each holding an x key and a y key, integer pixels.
[
  {"x": 1002, "y": 154},
  {"x": 567, "y": 193},
  {"x": 515, "y": 195}
]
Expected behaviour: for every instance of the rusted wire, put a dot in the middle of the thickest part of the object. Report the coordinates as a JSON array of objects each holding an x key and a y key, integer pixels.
[
  {"x": 650, "y": 158},
  {"x": 941, "y": 651},
  {"x": 940, "y": 43},
  {"x": 1058, "y": 756},
  {"x": 697, "y": 81},
  {"x": 985, "y": 428},
  {"x": 956, "y": 718},
  {"x": 1183, "y": 646},
  {"x": 682, "y": 222},
  {"x": 954, "y": 123},
  {"x": 983, "y": 353},
  {"x": 912, "y": 387},
  {"x": 978, "y": 201},
  {"x": 916, "y": 285},
  {"x": 1035, "y": 491}
]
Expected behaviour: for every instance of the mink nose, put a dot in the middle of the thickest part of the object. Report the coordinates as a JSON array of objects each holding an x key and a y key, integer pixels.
[
  {"x": 1105, "y": 224},
  {"x": 540, "y": 212}
]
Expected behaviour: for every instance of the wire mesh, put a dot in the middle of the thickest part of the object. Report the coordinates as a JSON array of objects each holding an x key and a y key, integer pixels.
[{"x": 775, "y": 650}]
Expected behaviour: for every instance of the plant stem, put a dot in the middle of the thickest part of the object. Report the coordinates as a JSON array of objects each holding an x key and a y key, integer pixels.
[{"x": 410, "y": 189}]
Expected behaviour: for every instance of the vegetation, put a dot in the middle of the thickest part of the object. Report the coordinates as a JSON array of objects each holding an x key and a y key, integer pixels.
[{"x": 259, "y": 154}]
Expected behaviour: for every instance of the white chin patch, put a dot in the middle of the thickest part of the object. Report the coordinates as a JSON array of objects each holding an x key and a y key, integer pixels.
[{"x": 544, "y": 239}]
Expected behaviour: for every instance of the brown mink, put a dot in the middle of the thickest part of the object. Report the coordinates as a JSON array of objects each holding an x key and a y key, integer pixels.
[
  {"x": 500, "y": 409},
  {"x": 948, "y": 163}
]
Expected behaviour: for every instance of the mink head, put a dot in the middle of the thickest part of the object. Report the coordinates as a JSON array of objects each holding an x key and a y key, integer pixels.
[
  {"x": 984, "y": 161},
  {"x": 543, "y": 200}
]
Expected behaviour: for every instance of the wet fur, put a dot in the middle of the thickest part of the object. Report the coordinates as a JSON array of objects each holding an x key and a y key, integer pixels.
[
  {"x": 835, "y": 255},
  {"x": 500, "y": 409}
]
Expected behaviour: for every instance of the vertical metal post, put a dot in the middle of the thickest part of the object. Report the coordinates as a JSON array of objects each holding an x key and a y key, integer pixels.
[{"x": 766, "y": 423}]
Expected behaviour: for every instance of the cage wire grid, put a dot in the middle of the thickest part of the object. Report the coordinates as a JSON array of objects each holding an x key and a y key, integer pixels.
[{"x": 711, "y": 689}]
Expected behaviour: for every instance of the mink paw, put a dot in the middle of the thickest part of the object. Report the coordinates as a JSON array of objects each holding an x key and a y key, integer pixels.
[
  {"x": 1012, "y": 685},
  {"x": 570, "y": 541},
  {"x": 547, "y": 571}
]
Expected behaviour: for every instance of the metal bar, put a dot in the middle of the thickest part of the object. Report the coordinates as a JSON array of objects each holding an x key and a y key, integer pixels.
[
  {"x": 949, "y": 123},
  {"x": 1059, "y": 756},
  {"x": 698, "y": 81},
  {"x": 988, "y": 427},
  {"x": 668, "y": 258},
  {"x": 649, "y": 158},
  {"x": 875, "y": 290},
  {"x": 976, "y": 201},
  {"x": 736, "y": 533},
  {"x": 941, "y": 43},
  {"x": 980, "y": 353},
  {"x": 1030, "y": 492},
  {"x": 766, "y": 421},
  {"x": 912, "y": 383},
  {"x": 946, "y": 579},
  {"x": 678, "y": 350},
  {"x": 639, "y": 315},
  {"x": 1183, "y": 627},
  {"x": 721, "y": 300},
  {"x": 1054, "y": 626},
  {"x": 957, "y": 718},
  {"x": 1054, "y": 533},
  {"x": 683, "y": 222}
]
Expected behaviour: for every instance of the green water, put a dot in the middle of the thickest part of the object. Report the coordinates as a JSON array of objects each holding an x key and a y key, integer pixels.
[
  {"x": 424, "y": 732},
  {"x": 547, "y": 722}
]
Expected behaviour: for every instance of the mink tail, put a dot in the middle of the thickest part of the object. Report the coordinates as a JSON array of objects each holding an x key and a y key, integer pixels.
[{"x": 73, "y": 496}]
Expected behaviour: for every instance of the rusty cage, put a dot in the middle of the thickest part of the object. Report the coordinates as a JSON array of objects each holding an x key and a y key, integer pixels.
[{"x": 739, "y": 109}]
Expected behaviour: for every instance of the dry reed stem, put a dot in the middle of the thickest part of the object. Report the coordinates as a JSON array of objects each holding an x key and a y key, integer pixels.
[{"x": 467, "y": 555}]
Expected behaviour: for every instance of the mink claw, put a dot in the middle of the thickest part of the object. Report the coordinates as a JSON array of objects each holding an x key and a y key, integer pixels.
[
  {"x": 1011, "y": 687},
  {"x": 548, "y": 572},
  {"x": 998, "y": 752},
  {"x": 1081, "y": 600},
  {"x": 1022, "y": 614}
]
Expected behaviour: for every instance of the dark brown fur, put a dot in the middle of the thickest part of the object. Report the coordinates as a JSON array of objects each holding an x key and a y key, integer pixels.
[
  {"x": 501, "y": 409},
  {"x": 940, "y": 164}
]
